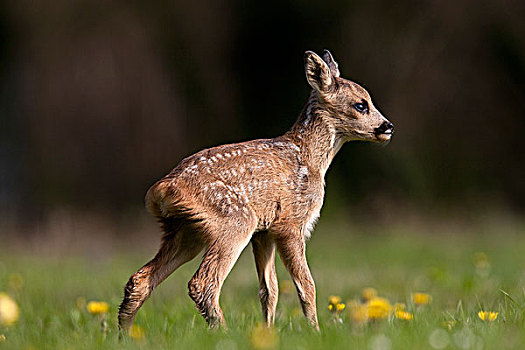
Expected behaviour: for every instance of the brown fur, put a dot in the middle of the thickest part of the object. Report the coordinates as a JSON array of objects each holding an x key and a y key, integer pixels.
[{"x": 268, "y": 192}]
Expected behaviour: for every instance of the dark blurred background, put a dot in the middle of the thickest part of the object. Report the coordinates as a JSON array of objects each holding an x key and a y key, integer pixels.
[{"x": 98, "y": 99}]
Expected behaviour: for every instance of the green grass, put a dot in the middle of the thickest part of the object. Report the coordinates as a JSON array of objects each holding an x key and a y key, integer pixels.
[{"x": 393, "y": 261}]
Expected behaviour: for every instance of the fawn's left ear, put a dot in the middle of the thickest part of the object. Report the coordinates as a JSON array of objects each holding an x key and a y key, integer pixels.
[
  {"x": 332, "y": 64},
  {"x": 317, "y": 72}
]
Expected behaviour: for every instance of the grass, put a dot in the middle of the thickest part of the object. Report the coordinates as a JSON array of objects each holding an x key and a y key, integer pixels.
[{"x": 50, "y": 292}]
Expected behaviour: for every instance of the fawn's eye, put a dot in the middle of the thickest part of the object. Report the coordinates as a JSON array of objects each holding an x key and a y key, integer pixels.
[{"x": 361, "y": 107}]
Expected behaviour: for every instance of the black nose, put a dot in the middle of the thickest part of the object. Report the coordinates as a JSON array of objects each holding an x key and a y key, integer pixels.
[{"x": 385, "y": 128}]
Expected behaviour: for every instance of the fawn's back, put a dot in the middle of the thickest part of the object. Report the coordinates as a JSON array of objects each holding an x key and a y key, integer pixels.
[{"x": 264, "y": 179}]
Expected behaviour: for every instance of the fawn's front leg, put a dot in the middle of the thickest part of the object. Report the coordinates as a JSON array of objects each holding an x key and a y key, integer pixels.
[
  {"x": 291, "y": 246},
  {"x": 264, "y": 253}
]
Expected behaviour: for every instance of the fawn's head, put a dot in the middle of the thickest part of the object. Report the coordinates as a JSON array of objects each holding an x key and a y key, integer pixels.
[{"x": 348, "y": 105}]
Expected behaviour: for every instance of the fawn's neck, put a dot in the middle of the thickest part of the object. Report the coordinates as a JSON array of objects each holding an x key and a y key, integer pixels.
[{"x": 316, "y": 135}]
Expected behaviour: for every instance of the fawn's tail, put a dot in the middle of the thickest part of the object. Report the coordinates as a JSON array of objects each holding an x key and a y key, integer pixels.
[
  {"x": 159, "y": 198},
  {"x": 163, "y": 202}
]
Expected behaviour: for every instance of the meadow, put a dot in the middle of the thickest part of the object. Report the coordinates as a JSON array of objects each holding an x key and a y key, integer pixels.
[{"x": 460, "y": 269}]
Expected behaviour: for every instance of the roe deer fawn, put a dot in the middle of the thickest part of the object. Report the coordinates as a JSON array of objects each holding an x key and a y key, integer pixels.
[{"x": 268, "y": 192}]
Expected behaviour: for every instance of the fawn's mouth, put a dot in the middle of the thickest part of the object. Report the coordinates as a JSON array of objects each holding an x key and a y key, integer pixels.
[
  {"x": 384, "y": 131},
  {"x": 386, "y": 136}
]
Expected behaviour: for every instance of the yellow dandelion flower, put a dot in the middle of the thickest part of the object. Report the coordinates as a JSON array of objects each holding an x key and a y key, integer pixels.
[
  {"x": 336, "y": 307},
  {"x": 493, "y": 316},
  {"x": 136, "y": 332},
  {"x": 375, "y": 309},
  {"x": 378, "y": 308},
  {"x": 2, "y": 338},
  {"x": 334, "y": 299},
  {"x": 9, "y": 312},
  {"x": 263, "y": 337},
  {"x": 403, "y": 315},
  {"x": 368, "y": 294},
  {"x": 488, "y": 315},
  {"x": 421, "y": 298},
  {"x": 97, "y": 307}
]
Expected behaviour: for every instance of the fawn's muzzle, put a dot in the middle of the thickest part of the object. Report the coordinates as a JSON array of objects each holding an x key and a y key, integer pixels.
[{"x": 385, "y": 128}]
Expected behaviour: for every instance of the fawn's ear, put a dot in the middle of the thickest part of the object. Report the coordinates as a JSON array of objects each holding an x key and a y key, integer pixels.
[
  {"x": 332, "y": 64},
  {"x": 317, "y": 72}
]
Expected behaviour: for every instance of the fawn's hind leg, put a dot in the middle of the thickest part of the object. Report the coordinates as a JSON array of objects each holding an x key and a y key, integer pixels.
[
  {"x": 205, "y": 286},
  {"x": 176, "y": 249},
  {"x": 264, "y": 252},
  {"x": 291, "y": 246}
]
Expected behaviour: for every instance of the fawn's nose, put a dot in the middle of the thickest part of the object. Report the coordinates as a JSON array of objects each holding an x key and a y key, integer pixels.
[{"x": 385, "y": 128}]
